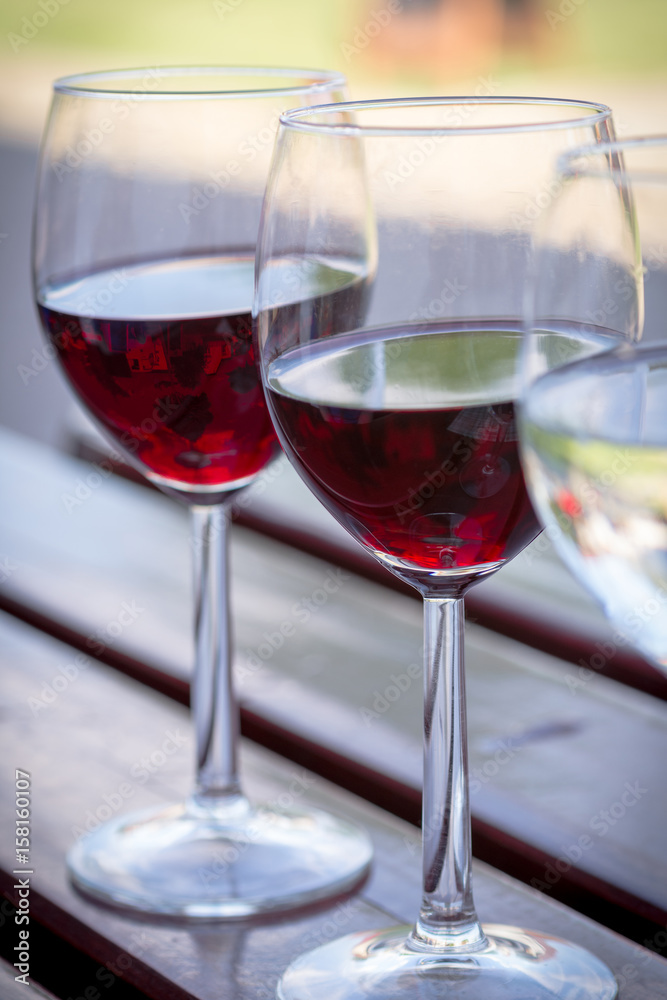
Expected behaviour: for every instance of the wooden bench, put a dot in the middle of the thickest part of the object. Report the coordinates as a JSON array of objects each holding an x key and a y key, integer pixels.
[
  {"x": 568, "y": 789},
  {"x": 80, "y": 751}
]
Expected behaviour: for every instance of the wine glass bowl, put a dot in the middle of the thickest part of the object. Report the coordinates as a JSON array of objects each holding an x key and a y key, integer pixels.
[
  {"x": 444, "y": 213},
  {"x": 148, "y": 204},
  {"x": 593, "y": 414},
  {"x": 434, "y": 491},
  {"x": 391, "y": 265},
  {"x": 601, "y": 469}
]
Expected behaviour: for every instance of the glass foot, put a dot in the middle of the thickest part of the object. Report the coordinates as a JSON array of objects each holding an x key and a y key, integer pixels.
[
  {"x": 515, "y": 965},
  {"x": 192, "y": 862}
]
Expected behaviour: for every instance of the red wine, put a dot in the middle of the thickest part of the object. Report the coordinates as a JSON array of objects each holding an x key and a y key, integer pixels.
[
  {"x": 161, "y": 354},
  {"x": 410, "y": 441}
]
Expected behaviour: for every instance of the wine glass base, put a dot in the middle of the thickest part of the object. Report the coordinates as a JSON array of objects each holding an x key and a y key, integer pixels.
[
  {"x": 515, "y": 965},
  {"x": 181, "y": 861}
]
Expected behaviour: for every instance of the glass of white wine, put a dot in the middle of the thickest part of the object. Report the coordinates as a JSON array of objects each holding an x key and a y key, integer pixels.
[{"x": 594, "y": 420}]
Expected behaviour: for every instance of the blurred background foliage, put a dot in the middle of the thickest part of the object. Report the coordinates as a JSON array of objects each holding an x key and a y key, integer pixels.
[{"x": 609, "y": 50}]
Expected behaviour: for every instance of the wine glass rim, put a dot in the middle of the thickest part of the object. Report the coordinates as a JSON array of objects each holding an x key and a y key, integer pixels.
[
  {"x": 298, "y": 118},
  {"x": 624, "y": 356},
  {"x": 582, "y": 161},
  {"x": 156, "y": 85},
  {"x": 628, "y": 353}
]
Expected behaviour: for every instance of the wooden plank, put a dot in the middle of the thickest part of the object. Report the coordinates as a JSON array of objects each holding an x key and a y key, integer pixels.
[
  {"x": 328, "y": 687},
  {"x": 535, "y": 599},
  {"x": 83, "y": 748},
  {"x": 526, "y": 601}
]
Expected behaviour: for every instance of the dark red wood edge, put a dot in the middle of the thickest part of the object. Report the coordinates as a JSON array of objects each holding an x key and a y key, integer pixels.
[
  {"x": 63, "y": 926},
  {"x": 611, "y": 906},
  {"x": 535, "y": 627},
  {"x": 540, "y": 632}
]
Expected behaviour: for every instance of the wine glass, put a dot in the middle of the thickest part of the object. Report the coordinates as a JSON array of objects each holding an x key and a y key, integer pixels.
[
  {"x": 593, "y": 421},
  {"x": 148, "y": 204},
  {"x": 405, "y": 227}
]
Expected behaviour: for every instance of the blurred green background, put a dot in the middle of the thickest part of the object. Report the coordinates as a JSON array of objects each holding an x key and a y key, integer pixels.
[{"x": 610, "y": 50}]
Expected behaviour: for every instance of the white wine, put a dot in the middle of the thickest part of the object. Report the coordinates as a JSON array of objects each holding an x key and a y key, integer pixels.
[{"x": 595, "y": 457}]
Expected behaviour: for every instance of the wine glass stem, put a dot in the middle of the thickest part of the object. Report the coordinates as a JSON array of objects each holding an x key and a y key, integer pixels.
[
  {"x": 214, "y": 708},
  {"x": 447, "y": 919}
]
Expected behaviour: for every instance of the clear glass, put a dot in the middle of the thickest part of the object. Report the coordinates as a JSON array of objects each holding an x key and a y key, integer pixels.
[
  {"x": 593, "y": 420},
  {"x": 391, "y": 266},
  {"x": 148, "y": 205}
]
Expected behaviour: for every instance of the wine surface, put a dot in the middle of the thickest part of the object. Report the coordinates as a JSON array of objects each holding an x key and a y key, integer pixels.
[
  {"x": 596, "y": 459},
  {"x": 161, "y": 354},
  {"x": 409, "y": 439}
]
